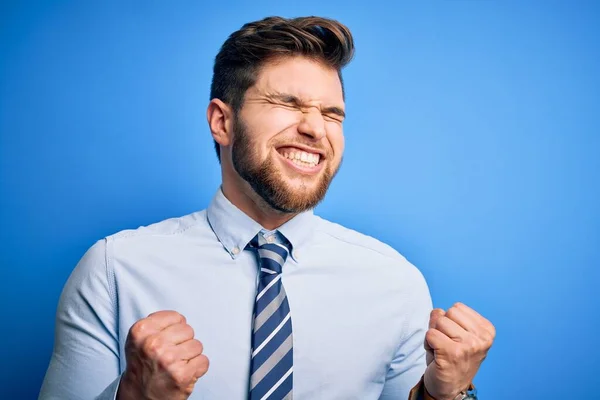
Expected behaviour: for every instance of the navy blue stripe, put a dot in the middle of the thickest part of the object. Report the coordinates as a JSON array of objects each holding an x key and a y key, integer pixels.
[
  {"x": 284, "y": 389},
  {"x": 264, "y": 281},
  {"x": 271, "y": 264},
  {"x": 270, "y": 324},
  {"x": 268, "y": 297},
  {"x": 272, "y": 377},
  {"x": 270, "y": 347}
]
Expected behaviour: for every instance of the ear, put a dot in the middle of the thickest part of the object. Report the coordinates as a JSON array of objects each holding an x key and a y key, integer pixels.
[{"x": 220, "y": 121}]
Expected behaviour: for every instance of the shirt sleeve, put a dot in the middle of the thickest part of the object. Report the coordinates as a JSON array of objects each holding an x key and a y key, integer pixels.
[
  {"x": 409, "y": 363},
  {"x": 85, "y": 358}
]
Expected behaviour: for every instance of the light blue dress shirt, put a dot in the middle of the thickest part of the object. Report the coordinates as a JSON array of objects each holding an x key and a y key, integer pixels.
[{"x": 359, "y": 309}]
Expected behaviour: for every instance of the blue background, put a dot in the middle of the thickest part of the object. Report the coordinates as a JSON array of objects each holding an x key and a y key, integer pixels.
[{"x": 473, "y": 147}]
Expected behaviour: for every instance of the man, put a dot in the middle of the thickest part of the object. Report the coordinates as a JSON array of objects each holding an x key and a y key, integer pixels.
[{"x": 282, "y": 302}]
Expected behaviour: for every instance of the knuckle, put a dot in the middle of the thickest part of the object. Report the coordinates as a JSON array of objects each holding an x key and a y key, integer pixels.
[
  {"x": 444, "y": 320},
  {"x": 473, "y": 346},
  {"x": 430, "y": 334},
  {"x": 190, "y": 330},
  {"x": 492, "y": 332},
  {"x": 459, "y": 353},
  {"x": 451, "y": 313},
  {"x": 152, "y": 346},
  {"x": 138, "y": 329},
  {"x": 204, "y": 364},
  {"x": 487, "y": 338},
  {"x": 454, "y": 309},
  {"x": 199, "y": 345},
  {"x": 178, "y": 315}
]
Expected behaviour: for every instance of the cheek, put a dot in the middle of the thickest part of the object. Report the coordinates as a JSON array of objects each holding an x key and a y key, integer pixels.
[
  {"x": 335, "y": 135},
  {"x": 267, "y": 126}
]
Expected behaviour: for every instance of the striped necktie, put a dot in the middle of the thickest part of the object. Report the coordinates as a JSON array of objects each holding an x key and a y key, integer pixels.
[{"x": 272, "y": 356}]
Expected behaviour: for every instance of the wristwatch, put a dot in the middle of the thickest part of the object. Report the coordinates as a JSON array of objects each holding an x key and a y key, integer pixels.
[{"x": 470, "y": 394}]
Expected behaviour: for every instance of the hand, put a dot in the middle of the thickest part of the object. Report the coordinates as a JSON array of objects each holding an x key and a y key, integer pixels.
[
  {"x": 457, "y": 342},
  {"x": 164, "y": 361}
]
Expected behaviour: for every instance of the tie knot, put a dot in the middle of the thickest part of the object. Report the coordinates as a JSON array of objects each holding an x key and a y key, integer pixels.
[{"x": 272, "y": 256}]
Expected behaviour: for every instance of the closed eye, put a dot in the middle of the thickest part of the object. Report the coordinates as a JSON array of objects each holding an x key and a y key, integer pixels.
[
  {"x": 334, "y": 118},
  {"x": 292, "y": 102},
  {"x": 289, "y": 101},
  {"x": 335, "y": 113},
  {"x": 289, "y": 106}
]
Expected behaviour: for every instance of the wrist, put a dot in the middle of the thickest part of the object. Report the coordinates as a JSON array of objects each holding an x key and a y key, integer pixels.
[
  {"x": 445, "y": 388},
  {"x": 467, "y": 394},
  {"x": 128, "y": 389},
  {"x": 455, "y": 395}
]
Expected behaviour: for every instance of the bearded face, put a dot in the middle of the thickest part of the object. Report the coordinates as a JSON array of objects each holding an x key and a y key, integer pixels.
[
  {"x": 286, "y": 139},
  {"x": 292, "y": 178}
]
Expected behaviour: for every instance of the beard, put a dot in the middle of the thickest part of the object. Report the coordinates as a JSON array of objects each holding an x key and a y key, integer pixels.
[{"x": 268, "y": 181}]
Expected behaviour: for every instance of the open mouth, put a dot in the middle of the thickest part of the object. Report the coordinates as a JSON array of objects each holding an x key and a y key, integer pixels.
[{"x": 305, "y": 160}]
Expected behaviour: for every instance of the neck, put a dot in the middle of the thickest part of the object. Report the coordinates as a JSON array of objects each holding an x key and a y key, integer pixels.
[{"x": 241, "y": 195}]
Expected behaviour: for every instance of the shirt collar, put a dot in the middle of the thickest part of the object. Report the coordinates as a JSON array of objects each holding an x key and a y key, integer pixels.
[{"x": 235, "y": 229}]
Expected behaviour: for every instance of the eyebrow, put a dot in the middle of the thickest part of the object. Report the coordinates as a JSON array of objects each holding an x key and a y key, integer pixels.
[{"x": 296, "y": 101}]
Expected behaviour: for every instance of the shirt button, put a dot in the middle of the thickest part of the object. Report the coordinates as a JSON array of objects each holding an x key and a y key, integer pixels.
[
  {"x": 235, "y": 250},
  {"x": 295, "y": 254},
  {"x": 270, "y": 239}
]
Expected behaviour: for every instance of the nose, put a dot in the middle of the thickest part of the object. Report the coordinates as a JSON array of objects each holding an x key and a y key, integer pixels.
[{"x": 312, "y": 124}]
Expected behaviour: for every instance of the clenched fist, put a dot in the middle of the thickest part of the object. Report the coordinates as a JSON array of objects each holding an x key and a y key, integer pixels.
[
  {"x": 164, "y": 361},
  {"x": 457, "y": 342}
]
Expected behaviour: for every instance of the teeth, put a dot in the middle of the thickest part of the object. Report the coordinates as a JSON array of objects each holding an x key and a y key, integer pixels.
[
  {"x": 303, "y": 158},
  {"x": 303, "y": 164}
]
